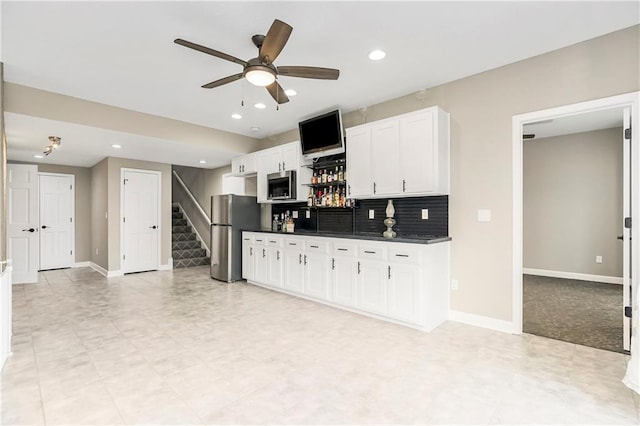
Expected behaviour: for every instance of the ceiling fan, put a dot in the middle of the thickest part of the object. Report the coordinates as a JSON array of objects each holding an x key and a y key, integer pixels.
[{"x": 260, "y": 70}]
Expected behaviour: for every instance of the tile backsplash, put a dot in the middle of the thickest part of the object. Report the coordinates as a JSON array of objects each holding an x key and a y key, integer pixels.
[{"x": 408, "y": 216}]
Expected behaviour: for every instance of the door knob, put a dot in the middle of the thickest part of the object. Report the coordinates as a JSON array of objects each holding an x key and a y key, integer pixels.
[
  {"x": 45, "y": 226},
  {"x": 621, "y": 237},
  {"x": 153, "y": 227},
  {"x": 29, "y": 230}
]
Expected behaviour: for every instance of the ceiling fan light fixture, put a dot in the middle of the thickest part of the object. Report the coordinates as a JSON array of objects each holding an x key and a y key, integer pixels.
[{"x": 260, "y": 76}]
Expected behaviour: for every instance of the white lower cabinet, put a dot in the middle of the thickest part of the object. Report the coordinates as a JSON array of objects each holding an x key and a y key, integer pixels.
[
  {"x": 317, "y": 269},
  {"x": 404, "y": 292},
  {"x": 403, "y": 283},
  {"x": 372, "y": 286},
  {"x": 293, "y": 265}
]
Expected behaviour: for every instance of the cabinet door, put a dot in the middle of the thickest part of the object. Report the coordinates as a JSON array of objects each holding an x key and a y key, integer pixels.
[
  {"x": 247, "y": 259},
  {"x": 236, "y": 166},
  {"x": 291, "y": 156},
  {"x": 344, "y": 275},
  {"x": 372, "y": 286},
  {"x": 418, "y": 162},
  {"x": 260, "y": 264},
  {"x": 270, "y": 161},
  {"x": 293, "y": 270},
  {"x": 404, "y": 292},
  {"x": 249, "y": 164},
  {"x": 359, "y": 162},
  {"x": 316, "y": 275},
  {"x": 274, "y": 266},
  {"x": 385, "y": 158}
]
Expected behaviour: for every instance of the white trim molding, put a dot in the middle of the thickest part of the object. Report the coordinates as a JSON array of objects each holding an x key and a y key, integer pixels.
[
  {"x": 82, "y": 264},
  {"x": 572, "y": 276},
  {"x": 482, "y": 321},
  {"x": 104, "y": 272},
  {"x": 168, "y": 266}
]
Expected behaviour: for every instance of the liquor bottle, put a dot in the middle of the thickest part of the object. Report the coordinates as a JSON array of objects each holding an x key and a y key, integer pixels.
[
  {"x": 342, "y": 198},
  {"x": 314, "y": 178},
  {"x": 310, "y": 200},
  {"x": 319, "y": 198},
  {"x": 324, "y": 176},
  {"x": 336, "y": 198},
  {"x": 329, "y": 176},
  {"x": 335, "y": 175},
  {"x": 341, "y": 175}
]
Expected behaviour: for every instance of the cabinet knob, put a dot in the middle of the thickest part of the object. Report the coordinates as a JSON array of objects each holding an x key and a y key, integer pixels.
[
  {"x": 404, "y": 185},
  {"x": 299, "y": 259},
  {"x": 374, "y": 187},
  {"x": 333, "y": 264},
  {"x": 358, "y": 268}
]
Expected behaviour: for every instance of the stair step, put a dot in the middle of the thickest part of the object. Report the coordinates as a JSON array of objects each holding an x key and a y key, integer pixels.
[
  {"x": 189, "y": 253},
  {"x": 195, "y": 261},
  {"x": 185, "y": 236},
  {"x": 179, "y": 222},
  {"x": 185, "y": 245},
  {"x": 175, "y": 209},
  {"x": 184, "y": 229},
  {"x": 177, "y": 215}
]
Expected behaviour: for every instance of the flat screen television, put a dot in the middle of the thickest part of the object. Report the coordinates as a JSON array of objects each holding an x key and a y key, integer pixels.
[{"x": 322, "y": 135}]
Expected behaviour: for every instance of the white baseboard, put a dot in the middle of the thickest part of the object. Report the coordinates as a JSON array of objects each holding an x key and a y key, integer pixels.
[
  {"x": 82, "y": 264},
  {"x": 481, "y": 321},
  {"x": 572, "y": 276},
  {"x": 167, "y": 267},
  {"x": 104, "y": 272}
]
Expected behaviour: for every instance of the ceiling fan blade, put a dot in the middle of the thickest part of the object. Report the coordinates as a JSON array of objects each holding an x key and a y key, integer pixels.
[
  {"x": 209, "y": 51},
  {"x": 222, "y": 81},
  {"x": 310, "y": 72},
  {"x": 275, "y": 40},
  {"x": 277, "y": 93}
]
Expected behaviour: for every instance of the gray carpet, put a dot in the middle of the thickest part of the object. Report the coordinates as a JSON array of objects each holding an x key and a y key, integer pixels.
[{"x": 583, "y": 312}]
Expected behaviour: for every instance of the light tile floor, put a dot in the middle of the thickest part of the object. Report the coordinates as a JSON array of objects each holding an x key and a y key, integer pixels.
[{"x": 179, "y": 348}]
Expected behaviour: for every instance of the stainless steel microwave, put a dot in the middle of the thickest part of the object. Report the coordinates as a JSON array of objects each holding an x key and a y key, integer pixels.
[{"x": 281, "y": 186}]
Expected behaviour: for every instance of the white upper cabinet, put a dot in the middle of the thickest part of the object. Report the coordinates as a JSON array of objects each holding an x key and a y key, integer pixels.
[
  {"x": 359, "y": 182},
  {"x": 406, "y": 155},
  {"x": 244, "y": 165}
]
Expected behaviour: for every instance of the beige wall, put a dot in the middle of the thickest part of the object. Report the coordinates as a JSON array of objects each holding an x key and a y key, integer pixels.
[
  {"x": 82, "y": 200},
  {"x": 572, "y": 197},
  {"x": 3, "y": 175},
  {"x": 481, "y": 108},
  {"x": 99, "y": 209},
  {"x": 114, "y": 166}
]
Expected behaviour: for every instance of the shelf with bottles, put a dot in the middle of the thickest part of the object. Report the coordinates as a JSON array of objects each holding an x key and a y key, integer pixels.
[
  {"x": 328, "y": 195},
  {"x": 326, "y": 185},
  {"x": 328, "y": 163}
]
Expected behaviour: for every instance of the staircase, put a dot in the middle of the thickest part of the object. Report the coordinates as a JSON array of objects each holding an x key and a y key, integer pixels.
[{"x": 187, "y": 250}]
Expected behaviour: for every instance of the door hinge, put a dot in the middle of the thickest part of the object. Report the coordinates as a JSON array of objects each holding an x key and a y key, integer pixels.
[
  {"x": 124, "y": 220},
  {"x": 627, "y": 222},
  {"x": 627, "y": 133},
  {"x": 124, "y": 182},
  {"x": 71, "y": 219},
  {"x": 71, "y": 252},
  {"x": 627, "y": 311},
  {"x": 71, "y": 187},
  {"x": 123, "y": 257}
]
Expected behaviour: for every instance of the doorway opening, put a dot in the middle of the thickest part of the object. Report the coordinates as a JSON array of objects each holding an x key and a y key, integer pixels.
[{"x": 553, "y": 262}]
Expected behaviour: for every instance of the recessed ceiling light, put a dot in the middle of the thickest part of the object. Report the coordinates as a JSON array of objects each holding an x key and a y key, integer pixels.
[
  {"x": 255, "y": 128},
  {"x": 290, "y": 92},
  {"x": 236, "y": 116},
  {"x": 376, "y": 55},
  {"x": 260, "y": 105},
  {"x": 116, "y": 146},
  {"x": 38, "y": 156},
  {"x": 203, "y": 161}
]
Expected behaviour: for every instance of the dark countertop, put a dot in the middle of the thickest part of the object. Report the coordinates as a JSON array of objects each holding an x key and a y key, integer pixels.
[{"x": 422, "y": 239}]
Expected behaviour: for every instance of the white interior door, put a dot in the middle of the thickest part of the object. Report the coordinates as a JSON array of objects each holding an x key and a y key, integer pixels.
[
  {"x": 56, "y": 220},
  {"x": 140, "y": 220},
  {"x": 22, "y": 221},
  {"x": 626, "y": 229}
]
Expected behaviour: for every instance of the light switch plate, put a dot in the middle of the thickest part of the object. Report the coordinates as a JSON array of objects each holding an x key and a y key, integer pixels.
[
  {"x": 295, "y": 214},
  {"x": 455, "y": 286},
  {"x": 598, "y": 259},
  {"x": 484, "y": 215},
  {"x": 371, "y": 214},
  {"x": 425, "y": 214},
  {"x": 308, "y": 214}
]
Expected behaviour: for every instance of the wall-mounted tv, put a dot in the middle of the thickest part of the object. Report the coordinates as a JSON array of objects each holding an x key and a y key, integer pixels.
[{"x": 322, "y": 135}]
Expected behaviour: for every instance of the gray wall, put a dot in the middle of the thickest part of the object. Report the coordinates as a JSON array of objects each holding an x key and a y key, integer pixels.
[
  {"x": 573, "y": 202},
  {"x": 482, "y": 107},
  {"x": 99, "y": 210},
  {"x": 82, "y": 200},
  {"x": 3, "y": 176}
]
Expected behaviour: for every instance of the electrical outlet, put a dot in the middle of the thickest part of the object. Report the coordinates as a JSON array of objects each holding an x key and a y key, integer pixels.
[
  {"x": 454, "y": 285},
  {"x": 598, "y": 259},
  {"x": 308, "y": 214},
  {"x": 425, "y": 214},
  {"x": 371, "y": 214},
  {"x": 295, "y": 214},
  {"x": 484, "y": 215}
]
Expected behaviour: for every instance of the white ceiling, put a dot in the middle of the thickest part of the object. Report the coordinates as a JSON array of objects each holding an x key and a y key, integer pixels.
[
  {"x": 577, "y": 123},
  {"x": 122, "y": 53}
]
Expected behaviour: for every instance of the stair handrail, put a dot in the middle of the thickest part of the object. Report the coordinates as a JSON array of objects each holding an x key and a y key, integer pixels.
[{"x": 191, "y": 197}]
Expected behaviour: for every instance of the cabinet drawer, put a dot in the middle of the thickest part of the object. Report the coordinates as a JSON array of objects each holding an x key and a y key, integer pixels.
[
  {"x": 247, "y": 238},
  {"x": 294, "y": 243},
  {"x": 272, "y": 241},
  {"x": 316, "y": 246},
  {"x": 409, "y": 255},
  {"x": 260, "y": 239},
  {"x": 346, "y": 249},
  {"x": 371, "y": 252}
]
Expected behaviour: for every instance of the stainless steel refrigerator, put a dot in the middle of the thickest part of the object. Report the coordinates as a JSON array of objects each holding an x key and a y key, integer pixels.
[{"x": 230, "y": 215}]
